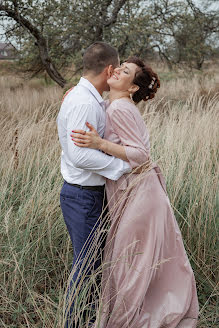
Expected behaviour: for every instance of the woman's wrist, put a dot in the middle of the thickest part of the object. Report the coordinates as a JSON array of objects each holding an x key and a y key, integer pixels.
[
  {"x": 103, "y": 144},
  {"x": 113, "y": 149}
]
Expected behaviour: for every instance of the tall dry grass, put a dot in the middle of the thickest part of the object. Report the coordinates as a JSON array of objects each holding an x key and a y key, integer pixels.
[{"x": 36, "y": 253}]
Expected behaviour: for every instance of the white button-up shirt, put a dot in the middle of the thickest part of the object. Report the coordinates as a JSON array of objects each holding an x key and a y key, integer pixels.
[{"x": 84, "y": 166}]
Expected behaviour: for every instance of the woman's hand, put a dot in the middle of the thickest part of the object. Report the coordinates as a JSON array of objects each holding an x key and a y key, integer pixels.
[{"x": 90, "y": 139}]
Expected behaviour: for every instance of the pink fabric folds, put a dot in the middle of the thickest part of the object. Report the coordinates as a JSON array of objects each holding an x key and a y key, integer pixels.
[{"x": 147, "y": 278}]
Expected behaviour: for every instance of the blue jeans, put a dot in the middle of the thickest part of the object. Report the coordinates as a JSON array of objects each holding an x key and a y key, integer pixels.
[{"x": 81, "y": 209}]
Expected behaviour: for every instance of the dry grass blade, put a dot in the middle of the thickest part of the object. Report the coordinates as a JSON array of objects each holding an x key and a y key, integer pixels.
[{"x": 36, "y": 254}]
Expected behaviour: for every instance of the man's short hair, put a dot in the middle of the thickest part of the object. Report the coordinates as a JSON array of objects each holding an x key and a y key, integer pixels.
[{"x": 98, "y": 56}]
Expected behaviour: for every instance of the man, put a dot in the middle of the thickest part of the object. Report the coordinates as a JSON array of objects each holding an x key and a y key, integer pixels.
[{"x": 84, "y": 170}]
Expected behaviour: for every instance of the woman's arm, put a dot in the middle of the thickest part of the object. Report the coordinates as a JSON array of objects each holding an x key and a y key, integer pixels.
[
  {"x": 113, "y": 149},
  {"x": 132, "y": 137},
  {"x": 92, "y": 139},
  {"x": 123, "y": 123}
]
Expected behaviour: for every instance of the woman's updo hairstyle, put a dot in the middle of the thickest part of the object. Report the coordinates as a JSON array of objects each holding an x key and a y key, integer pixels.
[{"x": 146, "y": 79}]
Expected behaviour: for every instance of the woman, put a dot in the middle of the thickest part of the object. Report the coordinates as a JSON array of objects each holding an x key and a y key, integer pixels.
[{"x": 148, "y": 281}]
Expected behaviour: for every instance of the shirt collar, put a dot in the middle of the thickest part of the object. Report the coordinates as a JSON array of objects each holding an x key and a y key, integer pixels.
[{"x": 84, "y": 82}]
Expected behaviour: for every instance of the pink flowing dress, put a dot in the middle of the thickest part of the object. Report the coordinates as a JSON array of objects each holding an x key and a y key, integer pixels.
[{"x": 147, "y": 280}]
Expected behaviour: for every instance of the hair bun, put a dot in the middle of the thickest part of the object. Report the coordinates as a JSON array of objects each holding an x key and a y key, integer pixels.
[{"x": 146, "y": 79}]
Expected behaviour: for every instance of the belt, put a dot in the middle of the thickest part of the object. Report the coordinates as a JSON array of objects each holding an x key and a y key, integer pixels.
[{"x": 96, "y": 188}]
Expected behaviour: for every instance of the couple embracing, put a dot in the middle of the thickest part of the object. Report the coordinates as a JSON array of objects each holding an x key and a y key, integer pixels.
[{"x": 147, "y": 280}]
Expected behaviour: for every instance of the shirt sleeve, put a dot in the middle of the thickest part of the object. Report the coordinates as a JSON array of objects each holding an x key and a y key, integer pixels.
[
  {"x": 125, "y": 126},
  {"x": 91, "y": 159}
]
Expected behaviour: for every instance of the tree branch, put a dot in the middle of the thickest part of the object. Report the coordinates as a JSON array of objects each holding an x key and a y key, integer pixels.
[
  {"x": 115, "y": 12},
  {"x": 40, "y": 41}
]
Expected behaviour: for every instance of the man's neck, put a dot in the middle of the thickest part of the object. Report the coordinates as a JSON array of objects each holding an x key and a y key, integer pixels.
[{"x": 96, "y": 81}]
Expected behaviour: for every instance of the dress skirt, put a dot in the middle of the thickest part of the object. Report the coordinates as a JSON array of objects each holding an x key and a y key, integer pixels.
[{"x": 147, "y": 279}]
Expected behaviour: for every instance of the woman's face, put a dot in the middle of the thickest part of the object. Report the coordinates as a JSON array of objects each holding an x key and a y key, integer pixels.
[{"x": 123, "y": 76}]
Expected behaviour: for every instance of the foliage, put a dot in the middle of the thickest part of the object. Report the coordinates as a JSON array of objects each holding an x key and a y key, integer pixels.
[{"x": 177, "y": 30}]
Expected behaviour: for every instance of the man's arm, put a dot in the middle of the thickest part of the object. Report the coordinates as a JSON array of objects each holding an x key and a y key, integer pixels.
[{"x": 91, "y": 159}]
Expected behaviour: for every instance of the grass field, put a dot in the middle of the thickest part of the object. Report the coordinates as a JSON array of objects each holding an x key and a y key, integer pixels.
[{"x": 36, "y": 252}]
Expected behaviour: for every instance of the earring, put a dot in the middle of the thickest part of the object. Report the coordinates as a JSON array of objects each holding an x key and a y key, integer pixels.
[{"x": 130, "y": 95}]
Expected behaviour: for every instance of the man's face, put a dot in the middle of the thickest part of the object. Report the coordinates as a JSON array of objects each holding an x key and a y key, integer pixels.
[{"x": 110, "y": 73}]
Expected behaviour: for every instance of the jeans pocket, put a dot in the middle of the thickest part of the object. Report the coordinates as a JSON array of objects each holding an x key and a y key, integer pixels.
[
  {"x": 90, "y": 204},
  {"x": 69, "y": 192},
  {"x": 67, "y": 196}
]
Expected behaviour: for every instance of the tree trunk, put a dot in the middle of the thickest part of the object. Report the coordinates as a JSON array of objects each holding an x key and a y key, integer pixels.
[
  {"x": 199, "y": 63},
  {"x": 49, "y": 66},
  {"x": 40, "y": 40}
]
